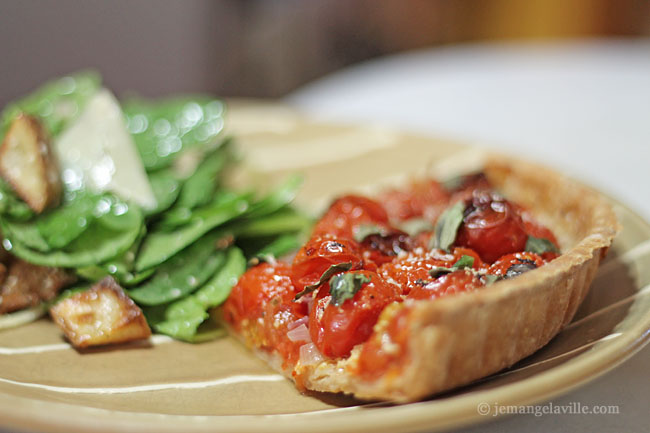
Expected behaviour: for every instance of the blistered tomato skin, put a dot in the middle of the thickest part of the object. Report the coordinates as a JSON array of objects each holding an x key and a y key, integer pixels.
[
  {"x": 491, "y": 227},
  {"x": 516, "y": 263},
  {"x": 383, "y": 248},
  {"x": 321, "y": 252},
  {"x": 447, "y": 284},
  {"x": 413, "y": 270},
  {"x": 266, "y": 292},
  {"x": 347, "y": 214},
  {"x": 336, "y": 330},
  {"x": 424, "y": 198}
]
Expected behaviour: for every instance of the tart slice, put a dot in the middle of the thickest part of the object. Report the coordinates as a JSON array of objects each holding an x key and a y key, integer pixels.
[{"x": 373, "y": 307}]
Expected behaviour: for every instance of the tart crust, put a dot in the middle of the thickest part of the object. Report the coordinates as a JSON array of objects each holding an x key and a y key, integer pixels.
[{"x": 458, "y": 339}]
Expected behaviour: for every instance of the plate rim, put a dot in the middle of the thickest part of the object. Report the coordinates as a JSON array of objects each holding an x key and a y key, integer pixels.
[{"x": 434, "y": 415}]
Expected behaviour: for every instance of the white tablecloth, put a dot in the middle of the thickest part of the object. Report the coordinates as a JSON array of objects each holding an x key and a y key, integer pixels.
[{"x": 581, "y": 106}]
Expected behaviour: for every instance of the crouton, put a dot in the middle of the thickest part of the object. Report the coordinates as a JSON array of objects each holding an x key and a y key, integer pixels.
[
  {"x": 27, "y": 285},
  {"x": 104, "y": 314},
  {"x": 28, "y": 164}
]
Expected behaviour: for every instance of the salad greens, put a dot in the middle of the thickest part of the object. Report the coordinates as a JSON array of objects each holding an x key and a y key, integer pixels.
[{"x": 178, "y": 259}]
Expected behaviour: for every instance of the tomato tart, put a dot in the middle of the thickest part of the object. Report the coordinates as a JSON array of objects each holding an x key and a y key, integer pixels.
[{"x": 429, "y": 286}]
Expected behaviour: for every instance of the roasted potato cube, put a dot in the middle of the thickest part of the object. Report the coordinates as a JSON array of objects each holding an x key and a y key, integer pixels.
[
  {"x": 28, "y": 164},
  {"x": 27, "y": 285},
  {"x": 104, "y": 314}
]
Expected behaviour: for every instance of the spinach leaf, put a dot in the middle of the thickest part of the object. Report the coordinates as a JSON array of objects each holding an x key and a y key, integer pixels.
[
  {"x": 166, "y": 189},
  {"x": 278, "y": 247},
  {"x": 25, "y": 233},
  {"x": 64, "y": 224},
  {"x": 199, "y": 188},
  {"x": 181, "y": 319},
  {"x": 285, "y": 220},
  {"x": 163, "y": 129},
  {"x": 277, "y": 199},
  {"x": 182, "y": 274},
  {"x": 160, "y": 245},
  {"x": 11, "y": 205},
  {"x": 56, "y": 103},
  {"x": 97, "y": 244}
]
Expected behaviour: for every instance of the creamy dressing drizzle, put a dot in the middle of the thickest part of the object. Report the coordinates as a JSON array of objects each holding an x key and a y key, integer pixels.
[
  {"x": 153, "y": 340},
  {"x": 152, "y": 387}
]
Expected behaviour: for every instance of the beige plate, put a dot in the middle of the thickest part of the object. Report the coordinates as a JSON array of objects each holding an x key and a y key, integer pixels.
[{"x": 169, "y": 386}]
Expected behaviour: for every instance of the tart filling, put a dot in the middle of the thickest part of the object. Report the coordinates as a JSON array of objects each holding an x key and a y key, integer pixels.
[{"x": 409, "y": 293}]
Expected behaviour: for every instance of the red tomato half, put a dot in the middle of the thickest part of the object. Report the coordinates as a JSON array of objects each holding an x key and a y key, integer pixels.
[
  {"x": 422, "y": 198},
  {"x": 448, "y": 284},
  {"x": 491, "y": 227},
  {"x": 321, "y": 252},
  {"x": 347, "y": 214},
  {"x": 521, "y": 261},
  {"x": 336, "y": 330},
  {"x": 412, "y": 270}
]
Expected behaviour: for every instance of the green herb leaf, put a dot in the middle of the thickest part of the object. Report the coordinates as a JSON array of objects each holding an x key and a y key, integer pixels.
[
  {"x": 55, "y": 103},
  {"x": 491, "y": 279},
  {"x": 540, "y": 245},
  {"x": 365, "y": 230},
  {"x": 465, "y": 262},
  {"x": 345, "y": 286},
  {"x": 182, "y": 274},
  {"x": 160, "y": 245},
  {"x": 164, "y": 129},
  {"x": 448, "y": 224},
  {"x": 414, "y": 226},
  {"x": 331, "y": 271}
]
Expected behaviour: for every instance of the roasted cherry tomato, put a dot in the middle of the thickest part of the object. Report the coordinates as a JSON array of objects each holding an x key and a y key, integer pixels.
[
  {"x": 515, "y": 264},
  {"x": 491, "y": 227},
  {"x": 321, "y": 252},
  {"x": 336, "y": 330},
  {"x": 259, "y": 286},
  {"x": 347, "y": 214},
  {"x": 266, "y": 292},
  {"x": 447, "y": 284},
  {"x": 387, "y": 349},
  {"x": 422, "y": 198},
  {"x": 413, "y": 270},
  {"x": 382, "y": 248}
]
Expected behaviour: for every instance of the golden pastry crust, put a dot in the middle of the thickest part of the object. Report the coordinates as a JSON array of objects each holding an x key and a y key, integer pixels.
[{"x": 455, "y": 340}]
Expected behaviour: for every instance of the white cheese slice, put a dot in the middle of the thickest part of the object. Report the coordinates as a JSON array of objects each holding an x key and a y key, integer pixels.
[{"x": 98, "y": 152}]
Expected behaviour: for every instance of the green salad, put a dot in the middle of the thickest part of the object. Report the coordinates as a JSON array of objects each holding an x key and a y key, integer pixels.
[{"x": 144, "y": 200}]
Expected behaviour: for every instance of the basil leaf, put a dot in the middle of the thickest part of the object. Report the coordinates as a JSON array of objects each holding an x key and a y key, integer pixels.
[
  {"x": 345, "y": 286},
  {"x": 414, "y": 226},
  {"x": 465, "y": 262},
  {"x": 491, "y": 279},
  {"x": 332, "y": 270},
  {"x": 365, "y": 230},
  {"x": 540, "y": 245},
  {"x": 448, "y": 224}
]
